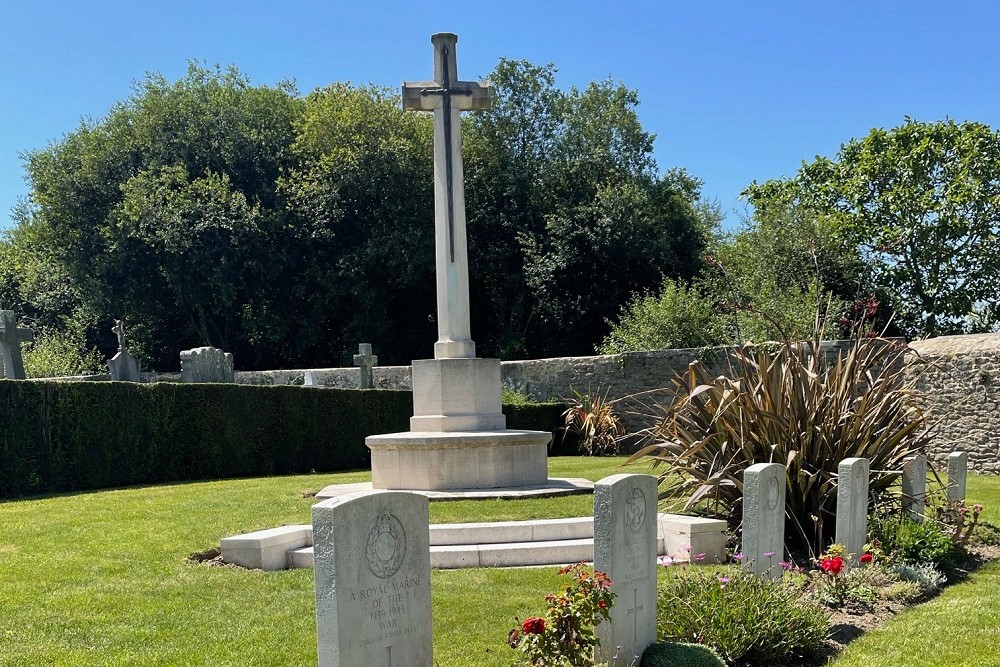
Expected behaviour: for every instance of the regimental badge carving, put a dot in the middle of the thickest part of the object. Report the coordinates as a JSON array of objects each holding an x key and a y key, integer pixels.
[
  {"x": 859, "y": 483},
  {"x": 772, "y": 493},
  {"x": 385, "y": 547},
  {"x": 635, "y": 510}
]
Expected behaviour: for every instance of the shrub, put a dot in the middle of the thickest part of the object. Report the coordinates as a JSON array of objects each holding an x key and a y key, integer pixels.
[
  {"x": 746, "y": 620},
  {"x": 565, "y": 636},
  {"x": 592, "y": 418},
  {"x": 668, "y": 654},
  {"x": 925, "y": 575},
  {"x": 679, "y": 316},
  {"x": 900, "y": 539},
  {"x": 786, "y": 403}
]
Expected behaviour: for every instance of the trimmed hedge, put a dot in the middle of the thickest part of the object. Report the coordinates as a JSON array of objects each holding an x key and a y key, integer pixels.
[
  {"x": 74, "y": 436},
  {"x": 666, "y": 654}
]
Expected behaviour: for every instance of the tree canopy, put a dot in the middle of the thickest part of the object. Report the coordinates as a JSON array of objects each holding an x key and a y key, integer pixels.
[
  {"x": 287, "y": 228},
  {"x": 921, "y": 204}
]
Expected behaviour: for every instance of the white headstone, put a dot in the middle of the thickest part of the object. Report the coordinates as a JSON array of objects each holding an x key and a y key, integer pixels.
[
  {"x": 915, "y": 486},
  {"x": 958, "y": 472},
  {"x": 852, "y": 505},
  {"x": 206, "y": 364},
  {"x": 373, "y": 589},
  {"x": 625, "y": 522},
  {"x": 11, "y": 337},
  {"x": 764, "y": 519}
]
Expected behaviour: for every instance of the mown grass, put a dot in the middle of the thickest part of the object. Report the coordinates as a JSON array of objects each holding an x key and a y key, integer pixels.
[
  {"x": 103, "y": 579},
  {"x": 959, "y": 628}
]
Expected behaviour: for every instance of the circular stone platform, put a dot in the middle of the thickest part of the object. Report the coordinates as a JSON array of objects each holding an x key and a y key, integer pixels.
[{"x": 551, "y": 487}]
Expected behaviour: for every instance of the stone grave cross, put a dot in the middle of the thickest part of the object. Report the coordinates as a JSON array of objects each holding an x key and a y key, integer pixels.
[
  {"x": 11, "y": 337},
  {"x": 364, "y": 359},
  {"x": 446, "y": 96}
]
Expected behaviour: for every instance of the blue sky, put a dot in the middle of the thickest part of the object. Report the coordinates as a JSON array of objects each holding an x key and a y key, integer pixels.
[{"x": 734, "y": 91}]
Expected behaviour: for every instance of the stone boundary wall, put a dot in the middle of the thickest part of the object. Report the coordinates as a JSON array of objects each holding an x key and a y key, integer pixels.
[{"x": 959, "y": 377}]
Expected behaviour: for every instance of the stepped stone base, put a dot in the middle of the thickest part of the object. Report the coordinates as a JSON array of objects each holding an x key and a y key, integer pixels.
[{"x": 433, "y": 461}]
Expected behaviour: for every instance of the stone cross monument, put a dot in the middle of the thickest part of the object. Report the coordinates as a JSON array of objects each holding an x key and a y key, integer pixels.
[
  {"x": 446, "y": 96},
  {"x": 11, "y": 337},
  {"x": 365, "y": 360},
  {"x": 123, "y": 366},
  {"x": 458, "y": 437}
]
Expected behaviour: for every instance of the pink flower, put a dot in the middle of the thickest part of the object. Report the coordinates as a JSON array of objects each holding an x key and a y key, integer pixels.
[
  {"x": 768, "y": 554},
  {"x": 738, "y": 556},
  {"x": 666, "y": 561}
]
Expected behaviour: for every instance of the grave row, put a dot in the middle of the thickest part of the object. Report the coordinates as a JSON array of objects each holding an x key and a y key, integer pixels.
[{"x": 764, "y": 487}]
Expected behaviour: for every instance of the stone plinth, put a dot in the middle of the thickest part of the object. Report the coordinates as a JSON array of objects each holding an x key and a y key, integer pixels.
[
  {"x": 458, "y": 460},
  {"x": 456, "y": 395}
]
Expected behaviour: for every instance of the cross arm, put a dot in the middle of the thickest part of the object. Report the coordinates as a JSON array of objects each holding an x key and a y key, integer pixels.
[{"x": 467, "y": 95}]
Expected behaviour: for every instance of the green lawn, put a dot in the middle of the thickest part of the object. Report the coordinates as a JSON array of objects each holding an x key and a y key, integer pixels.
[
  {"x": 102, "y": 579},
  {"x": 959, "y": 628}
]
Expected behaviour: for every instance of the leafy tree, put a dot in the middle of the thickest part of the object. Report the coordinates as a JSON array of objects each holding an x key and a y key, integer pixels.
[
  {"x": 564, "y": 194},
  {"x": 679, "y": 316},
  {"x": 921, "y": 203}
]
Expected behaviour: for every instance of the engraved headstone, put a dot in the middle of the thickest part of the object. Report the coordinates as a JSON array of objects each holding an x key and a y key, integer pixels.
[
  {"x": 373, "y": 591},
  {"x": 309, "y": 379},
  {"x": 958, "y": 471},
  {"x": 915, "y": 486},
  {"x": 11, "y": 337},
  {"x": 764, "y": 519},
  {"x": 364, "y": 359},
  {"x": 206, "y": 364},
  {"x": 123, "y": 366},
  {"x": 625, "y": 548},
  {"x": 852, "y": 505}
]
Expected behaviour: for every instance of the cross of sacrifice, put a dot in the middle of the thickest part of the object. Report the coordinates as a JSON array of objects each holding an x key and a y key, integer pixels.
[
  {"x": 446, "y": 96},
  {"x": 11, "y": 337},
  {"x": 632, "y": 612}
]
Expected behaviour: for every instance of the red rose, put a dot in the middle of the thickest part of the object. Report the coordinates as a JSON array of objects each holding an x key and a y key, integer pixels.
[
  {"x": 533, "y": 625},
  {"x": 866, "y": 558},
  {"x": 602, "y": 604},
  {"x": 832, "y": 565}
]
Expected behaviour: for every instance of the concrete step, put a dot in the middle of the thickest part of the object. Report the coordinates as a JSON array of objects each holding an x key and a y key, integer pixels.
[{"x": 501, "y": 544}]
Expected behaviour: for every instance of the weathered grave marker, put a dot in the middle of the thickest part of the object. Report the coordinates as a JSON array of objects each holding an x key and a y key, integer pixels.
[
  {"x": 958, "y": 472},
  {"x": 11, "y": 337},
  {"x": 206, "y": 364},
  {"x": 625, "y": 548},
  {"x": 764, "y": 519},
  {"x": 915, "y": 486},
  {"x": 852, "y": 505},
  {"x": 364, "y": 360},
  {"x": 123, "y": 366},
  {"x": 373, "y": 590}
]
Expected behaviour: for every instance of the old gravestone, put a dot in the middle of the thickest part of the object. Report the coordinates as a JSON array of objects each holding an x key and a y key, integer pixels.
[
  {"x": 123, "y": 366},
  {"x": 764, "y": 519},
  {"x": 625, "y": 548},
  {"x": 373, "y": 591},
  {"x": 958, "y": 472},
  {"x": 852, "y": 505},
  {"x": 206, "y": 364},
  {"x": 364, "y": 359},
  {"x": 915, "y": 486},
  {"x": 11, "y": 337}
]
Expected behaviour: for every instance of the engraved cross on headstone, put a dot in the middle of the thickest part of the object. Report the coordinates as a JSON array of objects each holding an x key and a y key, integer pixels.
[
  {"x": 446, "y": 96},
  {"x": 365, "y": 360},
  {"x": 11, "y": 337},
  {"x": 632, "y": 612}
]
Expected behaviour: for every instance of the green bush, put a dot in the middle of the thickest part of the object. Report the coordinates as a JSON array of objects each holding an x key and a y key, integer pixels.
[
  {"x": 667, "y": 654},
  {"x": 746, "y": 620},
  {"x": 678, "y": 317},
  {"x": 787, "y": 403},
  {"x": 900, "y": 539}
]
